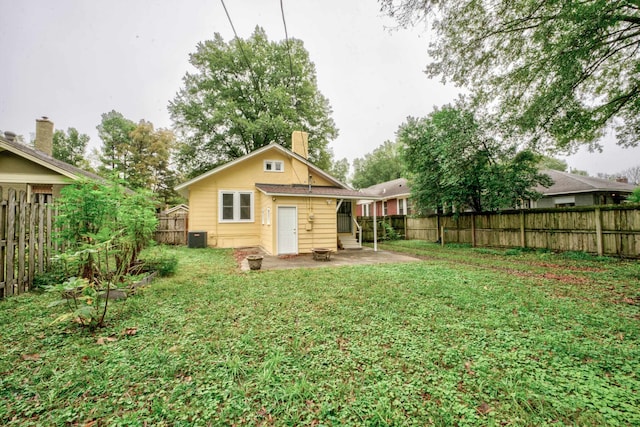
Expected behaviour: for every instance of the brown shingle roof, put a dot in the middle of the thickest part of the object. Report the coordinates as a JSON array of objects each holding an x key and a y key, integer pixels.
[
  {"x": 46, "y": 160},
  {"x": 315, "y": 191},
  {"x": 568, "y": 183},
  {"x": 390, "y": 189}
]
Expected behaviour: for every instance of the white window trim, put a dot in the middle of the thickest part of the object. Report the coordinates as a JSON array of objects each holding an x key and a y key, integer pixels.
[
  {"x": 385, "y": 208},
  {"x": 273, "y": 164},
  {"x": 402, "y": 206},
  {"x": 366, "y": 209},
  {"x": 236, "y": 206}
]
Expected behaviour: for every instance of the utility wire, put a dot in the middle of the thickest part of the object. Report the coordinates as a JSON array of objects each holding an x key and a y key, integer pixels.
[
  {"x": 295, "y": 96},
  {"x": 244, "y": 55}
]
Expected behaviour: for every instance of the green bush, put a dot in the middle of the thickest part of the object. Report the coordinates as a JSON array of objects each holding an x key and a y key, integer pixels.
[{"x": 164, "y": 264}]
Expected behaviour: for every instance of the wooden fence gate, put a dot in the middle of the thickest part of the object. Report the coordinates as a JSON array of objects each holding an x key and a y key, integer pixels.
[
  {"x": 26, "y": 240},
  {"x": 172, "y": 229}
]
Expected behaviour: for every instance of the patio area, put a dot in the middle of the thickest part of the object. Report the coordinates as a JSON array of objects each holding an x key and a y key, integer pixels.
[{"x": 338, "y": 258}]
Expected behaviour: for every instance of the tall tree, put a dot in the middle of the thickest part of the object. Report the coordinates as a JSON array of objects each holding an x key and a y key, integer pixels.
[
  {"x": 381, "y": 165},
  {"x": 548, "y": 162},
  {"x": 454, "y": 164},
  {"x": 115, "y": 132},
  {"x": 245, "y": 94},
  {"x": 561, "y": 72},
  {"x": 70, "y": 147},
  {"x": 148, "y": 151},
  {"x": 340, "y": 169}
]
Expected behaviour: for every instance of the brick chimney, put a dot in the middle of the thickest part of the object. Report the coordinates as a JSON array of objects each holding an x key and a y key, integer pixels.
[
  {"x": 300, "y": 143},
  {"x": 623, "y": 179},
  {"x": 44, "y": 135}
]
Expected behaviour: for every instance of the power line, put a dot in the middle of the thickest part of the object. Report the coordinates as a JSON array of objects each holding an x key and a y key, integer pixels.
[
  {"x": 244, "y": 55},
  {"x": 286, "y": 37}
]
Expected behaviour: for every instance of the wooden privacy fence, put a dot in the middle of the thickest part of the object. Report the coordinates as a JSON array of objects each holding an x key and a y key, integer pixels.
[
  {"x": 172, "y": 229},
  {"x": 602, "y": 230},
  {"x": 397, "y": 222},
  {"x": 26, "y": 243}
]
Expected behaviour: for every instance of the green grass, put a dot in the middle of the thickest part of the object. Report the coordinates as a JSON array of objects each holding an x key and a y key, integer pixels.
[{"x": 466, "y": 337}]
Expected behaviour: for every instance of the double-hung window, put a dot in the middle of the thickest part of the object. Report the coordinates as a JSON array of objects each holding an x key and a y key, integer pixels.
[
  {"x": 402, "y": 206},
  {"x": 274, "y": 166},
  {"x": 236, "y": 206}
]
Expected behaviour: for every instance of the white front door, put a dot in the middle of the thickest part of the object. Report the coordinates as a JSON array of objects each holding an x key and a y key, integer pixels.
[{"x": 287, "y": 230}]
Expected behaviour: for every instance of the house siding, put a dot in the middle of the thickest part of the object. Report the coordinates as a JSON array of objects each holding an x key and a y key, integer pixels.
[{"x": 204, "y": 206}]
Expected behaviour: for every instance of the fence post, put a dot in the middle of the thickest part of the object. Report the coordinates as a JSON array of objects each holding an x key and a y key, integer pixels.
[
  {"x": 599, "y": 244},
  {"x": 11, "y": 245},
  {"x": 473, "y": 230},
  {"x": 523, "y": 241},
  {"x": 442, "y": 236}
]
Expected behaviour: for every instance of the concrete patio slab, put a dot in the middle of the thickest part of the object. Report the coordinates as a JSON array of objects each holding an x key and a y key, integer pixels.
[{"x": 339, "y": 258}]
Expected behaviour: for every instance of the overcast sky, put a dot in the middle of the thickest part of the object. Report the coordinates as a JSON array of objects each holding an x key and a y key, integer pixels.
[{"x": 72, "y": 60}]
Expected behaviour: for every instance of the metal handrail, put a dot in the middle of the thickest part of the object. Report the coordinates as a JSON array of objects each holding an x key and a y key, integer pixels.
[{"x": 359, "y": 231}]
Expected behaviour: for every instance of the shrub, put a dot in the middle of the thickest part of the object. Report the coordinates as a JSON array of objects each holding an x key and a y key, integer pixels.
[
  {"x": 164, "y": 264},
  {"x": 104, "y": 228}
]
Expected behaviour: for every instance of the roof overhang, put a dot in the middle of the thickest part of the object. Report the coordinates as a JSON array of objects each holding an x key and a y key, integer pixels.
[
  {"x": 183, "y": 188},
  {"x": 313, "y": 191}
]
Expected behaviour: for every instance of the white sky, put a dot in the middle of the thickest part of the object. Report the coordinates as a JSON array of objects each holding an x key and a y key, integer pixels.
[{"x": 72, "y": 60}]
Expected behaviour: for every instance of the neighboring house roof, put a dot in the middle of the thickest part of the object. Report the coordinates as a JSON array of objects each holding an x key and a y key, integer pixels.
[
  {"x": 396, "y": 188},
  {"x": 176, "y": 208},
  {"x": 273, "y": 146},
  {"x": 45, "y": 160},
  {"x": 568, "y": 183},
  {"x": 313, "y": 191}
]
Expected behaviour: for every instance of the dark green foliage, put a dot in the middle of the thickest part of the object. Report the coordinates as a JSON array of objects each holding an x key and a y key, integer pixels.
[
  {"x": 453, "y": 163},
  {"x": 57, "y": 273},
  {"x": 246, "y": 94},
  {"x": 382, "y": 165},
  {"x": 560, "y": 72},
  {"x": 389, "y": 233},
  {"x": 70, "y": 147},
  {"x": 162, "y": 261},
  {"x": 104, "y": 229},
  {"x": 635, "y": 196}
]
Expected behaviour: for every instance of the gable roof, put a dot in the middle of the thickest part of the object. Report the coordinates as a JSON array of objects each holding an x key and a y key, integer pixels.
[
  {"x": 273, "y": 146},
  {"x": 176, "y": 208},
  {"x": 390, "y": 189},
  {"x": 567, "y": 183},
  {"x": 46, "y": 161}
]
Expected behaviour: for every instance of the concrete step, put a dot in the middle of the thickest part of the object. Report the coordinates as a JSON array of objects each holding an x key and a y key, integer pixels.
[{"x": 349, "y": 242}]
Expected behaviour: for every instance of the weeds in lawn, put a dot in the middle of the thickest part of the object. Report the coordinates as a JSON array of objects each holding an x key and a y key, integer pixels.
[{"x": 441, "y": 342}]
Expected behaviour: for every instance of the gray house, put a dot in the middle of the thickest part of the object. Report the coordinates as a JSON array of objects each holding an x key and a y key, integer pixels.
[{"x": 577, "y": 190}]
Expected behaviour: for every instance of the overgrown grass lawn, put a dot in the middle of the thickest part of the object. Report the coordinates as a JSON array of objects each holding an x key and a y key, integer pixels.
[{"x": 464, "y": 337}]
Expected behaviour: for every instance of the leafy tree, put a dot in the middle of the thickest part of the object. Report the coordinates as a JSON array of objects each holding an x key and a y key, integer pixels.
[
  {"x": 148, "y": 151},
  {"x": 454, "y": 164},
  {"x": 561, "y": 72},
  {"x": 635, "y": 196},
  {"x": 245, "y": 94},
  {"x": 547, "y": 162},
  {"x": 70, "y": 147},
  {"x": 381, "y": 165},
  {"x": 115, "y": 132},
  {"x": 632, "y": 174},
  {"x": 340, "y": 169}
]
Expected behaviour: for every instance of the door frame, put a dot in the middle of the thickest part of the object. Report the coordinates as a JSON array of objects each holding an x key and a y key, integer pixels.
[{"x": 295, "y": 208}]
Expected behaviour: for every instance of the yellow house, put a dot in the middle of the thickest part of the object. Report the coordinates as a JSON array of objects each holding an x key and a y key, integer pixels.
[
  {"x": 275, "y": 199},
  {"x": 34, "y": 170}
]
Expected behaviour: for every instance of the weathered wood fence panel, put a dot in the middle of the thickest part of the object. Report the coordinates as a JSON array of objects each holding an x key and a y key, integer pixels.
[
  {"x": 172, "y": 229},
  {"x": 397, "y": 222},
  {"x": 603, "y": 230},
  {"x": 26, "y": 240}
]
